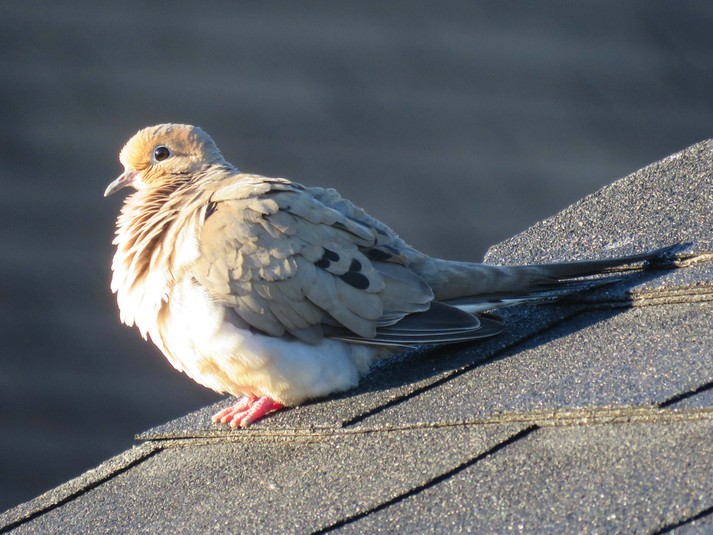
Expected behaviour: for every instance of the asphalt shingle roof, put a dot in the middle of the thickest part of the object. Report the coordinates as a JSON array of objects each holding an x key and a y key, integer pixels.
[
  {"x": 494, "y": 114},
  {"x": 592, "y": 415}
]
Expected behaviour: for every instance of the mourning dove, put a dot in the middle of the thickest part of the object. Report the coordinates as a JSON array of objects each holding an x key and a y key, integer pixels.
[{"x": 279, "y": 293}]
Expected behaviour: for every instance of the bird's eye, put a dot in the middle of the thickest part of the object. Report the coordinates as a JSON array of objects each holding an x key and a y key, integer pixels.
[{"x": 161, "y": 152}]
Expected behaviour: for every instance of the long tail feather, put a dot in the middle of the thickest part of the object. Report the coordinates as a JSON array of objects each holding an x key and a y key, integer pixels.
[{"x": 457, "y": 280}]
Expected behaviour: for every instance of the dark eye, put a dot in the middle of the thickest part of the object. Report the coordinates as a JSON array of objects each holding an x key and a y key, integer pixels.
[{"x": 161, "y": 152}]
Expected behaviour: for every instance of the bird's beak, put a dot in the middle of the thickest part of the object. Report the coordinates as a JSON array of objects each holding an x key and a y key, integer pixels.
[{"x": 125, "y": 179}]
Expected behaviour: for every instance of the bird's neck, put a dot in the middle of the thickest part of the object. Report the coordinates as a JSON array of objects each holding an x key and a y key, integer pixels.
[
  {"x": 142, "y": 225},
  {"x": 150, "y": 232}
]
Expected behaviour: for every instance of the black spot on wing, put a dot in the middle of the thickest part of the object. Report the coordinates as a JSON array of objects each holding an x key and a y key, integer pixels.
[
  {"x": 378, "y": 255},
  {"x": 352, "y": 277},
  {"x": 327, "y": 258},
  {"x": 357, "y": 280},
  {"x": 331, "y": 255},
  {"x": 322, "y": 263}
]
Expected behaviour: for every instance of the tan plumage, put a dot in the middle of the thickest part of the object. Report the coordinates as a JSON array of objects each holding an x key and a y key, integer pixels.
[{"x": 279, "y": 293}]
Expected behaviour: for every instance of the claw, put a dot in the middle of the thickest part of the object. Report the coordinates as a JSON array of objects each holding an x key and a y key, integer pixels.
[{"x": 247, "y": 410}]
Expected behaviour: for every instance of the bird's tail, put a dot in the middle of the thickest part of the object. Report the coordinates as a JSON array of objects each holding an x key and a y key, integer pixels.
[{"x": 478, "y": 287}]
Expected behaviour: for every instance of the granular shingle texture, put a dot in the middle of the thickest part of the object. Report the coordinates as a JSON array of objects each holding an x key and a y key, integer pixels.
[
  {"x": 599, "y": 479},
  {"x": 591, "y": 415}
]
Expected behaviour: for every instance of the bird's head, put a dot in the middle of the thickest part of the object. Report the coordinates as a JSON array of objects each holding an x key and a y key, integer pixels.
[{"x": 161, "y": 154}]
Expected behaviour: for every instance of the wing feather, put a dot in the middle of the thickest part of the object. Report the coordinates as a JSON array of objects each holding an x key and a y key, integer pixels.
[{"x": 303, "y": 261}]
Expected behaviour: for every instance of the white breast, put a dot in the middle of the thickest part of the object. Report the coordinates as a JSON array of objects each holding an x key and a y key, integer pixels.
[{"x": 212, "y": 345}]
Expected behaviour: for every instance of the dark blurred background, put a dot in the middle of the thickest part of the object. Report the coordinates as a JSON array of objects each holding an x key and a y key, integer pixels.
[{"x": 459, "y": 123}]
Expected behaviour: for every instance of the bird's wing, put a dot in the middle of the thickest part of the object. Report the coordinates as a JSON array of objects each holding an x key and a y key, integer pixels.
[{"x": 288, "y": 263}]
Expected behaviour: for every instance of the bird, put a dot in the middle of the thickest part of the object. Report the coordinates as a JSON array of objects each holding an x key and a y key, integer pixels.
[{"x": 278, "y": 293}]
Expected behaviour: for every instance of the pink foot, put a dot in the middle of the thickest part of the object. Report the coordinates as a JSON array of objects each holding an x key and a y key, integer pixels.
[{"x": 247, "y": 410}]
